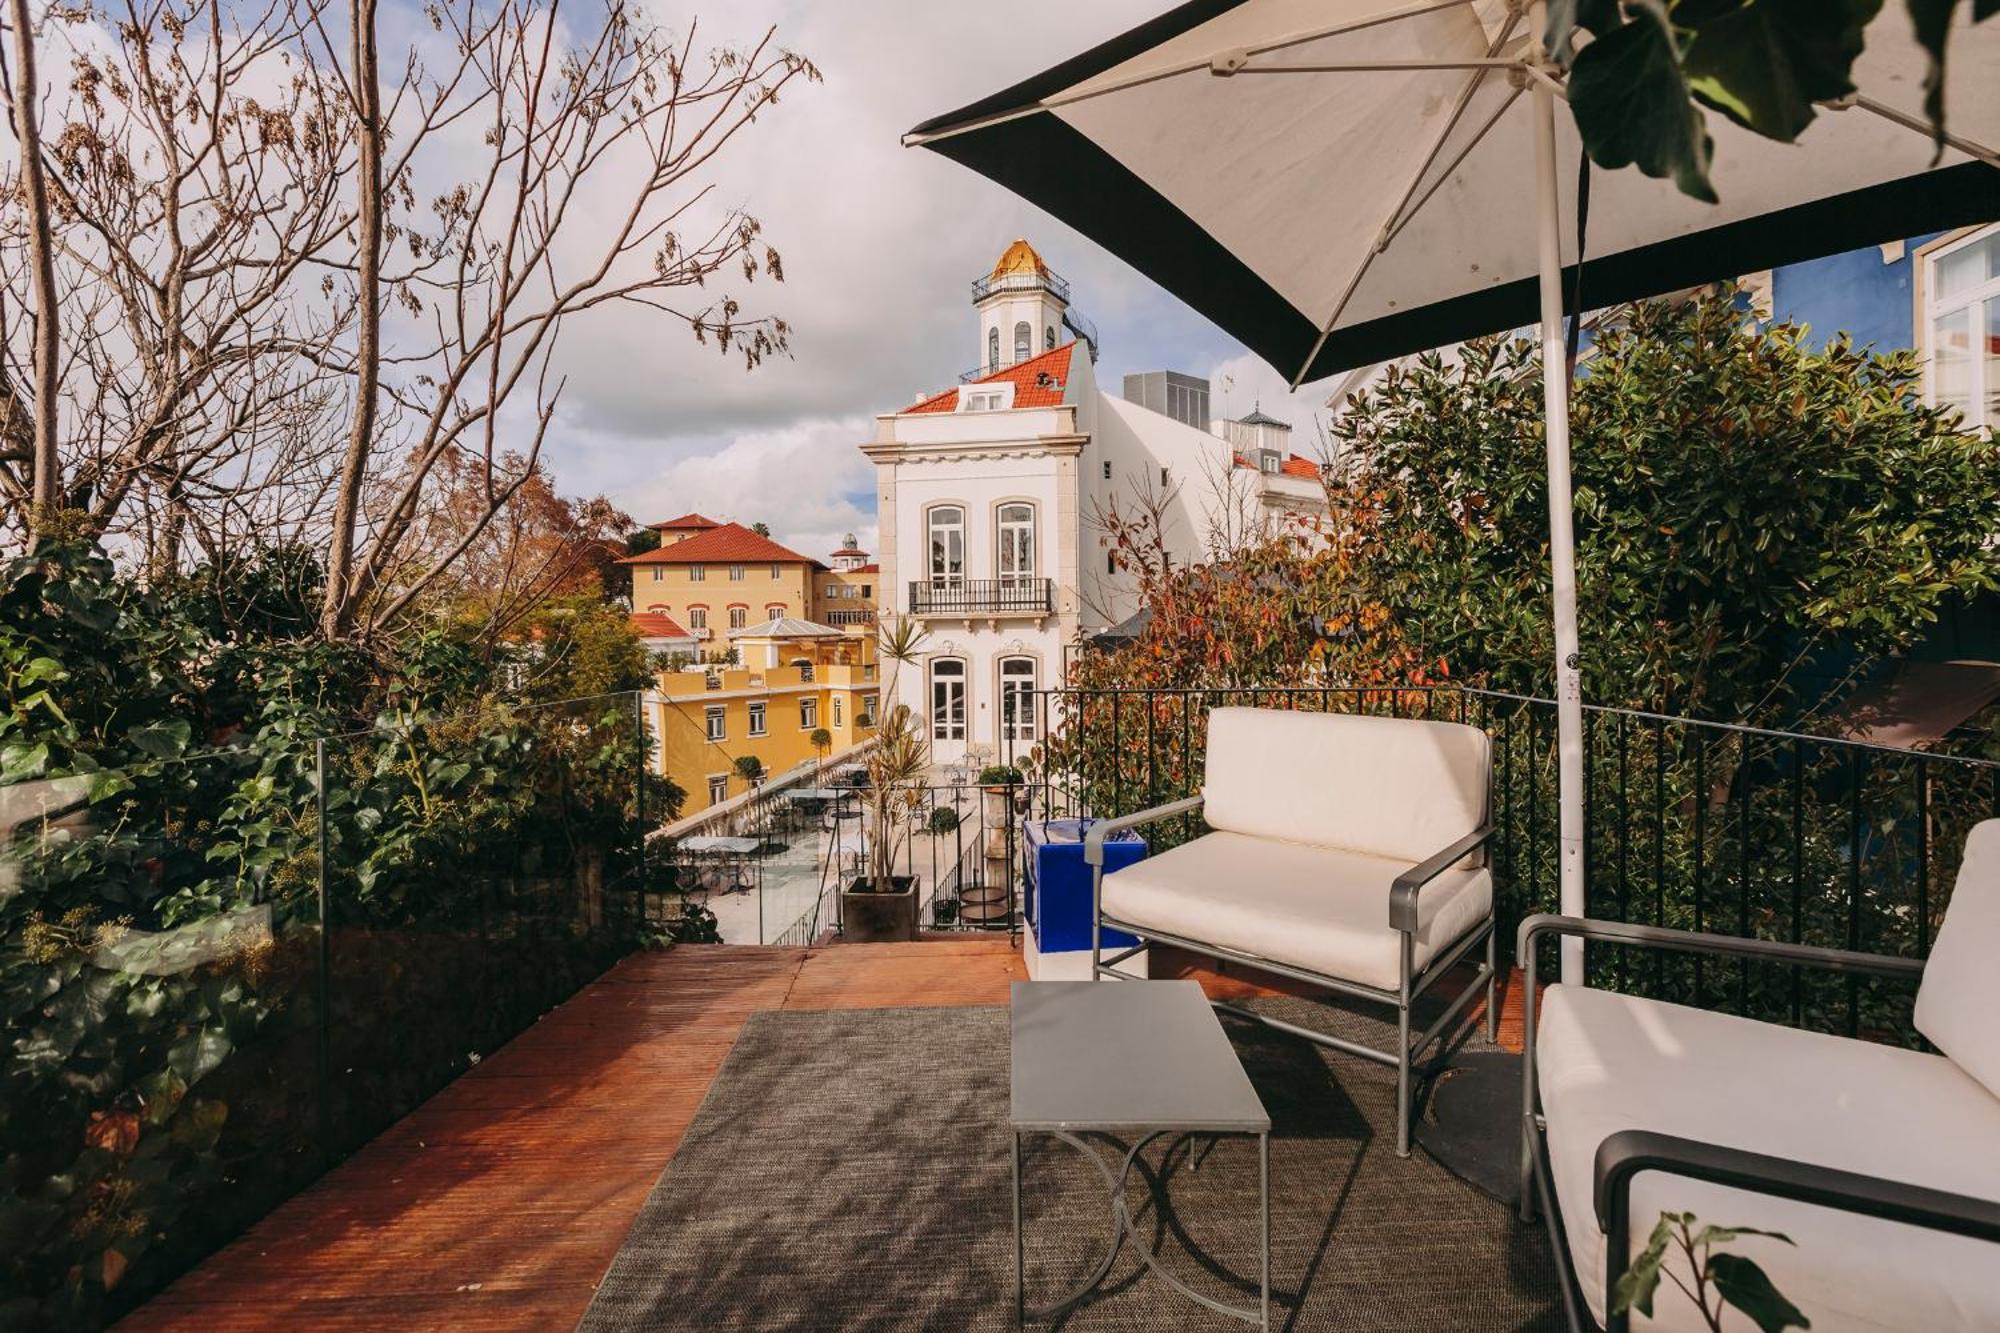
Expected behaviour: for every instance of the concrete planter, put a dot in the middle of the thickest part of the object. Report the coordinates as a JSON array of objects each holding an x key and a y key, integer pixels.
[
  {"x": 995, "y": 820},
  {"x": 879, "y": 918}
]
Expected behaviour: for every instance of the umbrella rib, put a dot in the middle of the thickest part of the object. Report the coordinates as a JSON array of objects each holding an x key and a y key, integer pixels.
[
  {"x": 1190, "y": 66},
  {"x": 1964, "y": 145},
  {"x": 1409, "y": 215},
  {"x": 1384, "y": 236}
]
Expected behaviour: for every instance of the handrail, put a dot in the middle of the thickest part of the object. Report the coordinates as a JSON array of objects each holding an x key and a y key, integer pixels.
[{"x": 1480, "y": 692}]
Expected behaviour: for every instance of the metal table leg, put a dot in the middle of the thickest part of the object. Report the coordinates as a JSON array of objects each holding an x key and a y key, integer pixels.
[
  {"x": 1020, "y": 1255},
  {"x": 1264, "y": 1202},
  {"x": 1124, "y": 1228}
]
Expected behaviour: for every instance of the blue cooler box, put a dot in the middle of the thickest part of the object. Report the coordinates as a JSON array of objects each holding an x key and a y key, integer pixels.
[{"x": 1057, "y": 946}]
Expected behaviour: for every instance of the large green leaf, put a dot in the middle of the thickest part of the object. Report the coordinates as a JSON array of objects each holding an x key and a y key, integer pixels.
[
  {"x": 1745, "y": 1286},
  {"x": 1633, "y": 107},
  {"x": 1764, "y": 64},
  {"x": 1932, "y": 20},
  {"x": 1566, "y": 16}
]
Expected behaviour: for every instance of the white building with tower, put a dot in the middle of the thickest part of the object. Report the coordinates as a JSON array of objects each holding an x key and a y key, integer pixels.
[{"x": 990, "y": 497}]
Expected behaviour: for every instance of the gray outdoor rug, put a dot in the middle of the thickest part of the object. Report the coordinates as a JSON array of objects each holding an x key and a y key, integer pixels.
[{"x": 849, "y": 1171}]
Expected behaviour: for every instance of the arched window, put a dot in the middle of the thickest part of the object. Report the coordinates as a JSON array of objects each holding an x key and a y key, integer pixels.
[
  {"x": 1016, "y": 526},
  {"x": 1024, "y": 341},
  {"x": 993, "y": 348},
  {"x": 739, "y": 616},
  {"x": 947, "y": 530},
  {"x": 948, "y": 698},
  {"x": 1049, "y": 338},
  {"x": 1017, "y": 698}
]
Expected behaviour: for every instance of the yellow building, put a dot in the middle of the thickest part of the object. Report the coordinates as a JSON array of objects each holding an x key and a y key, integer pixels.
[
  {"x": 795, "y": 678},
  {"x": 710, "y": 578}
]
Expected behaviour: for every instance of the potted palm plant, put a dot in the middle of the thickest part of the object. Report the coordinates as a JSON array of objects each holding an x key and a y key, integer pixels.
[{"x": 880, "y": 904}]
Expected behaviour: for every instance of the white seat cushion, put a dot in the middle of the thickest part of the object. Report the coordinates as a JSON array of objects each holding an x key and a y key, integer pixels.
[
  {"x": 1314, "y": 908},
  {"x": 1608, "y": 1062},
  {"x": 1396, "y": 787},
  {"x": 1959, "y": 1000}
]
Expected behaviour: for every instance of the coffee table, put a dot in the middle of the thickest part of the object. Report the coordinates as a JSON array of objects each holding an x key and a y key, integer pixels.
[{"x": 1137, "y": 1060}]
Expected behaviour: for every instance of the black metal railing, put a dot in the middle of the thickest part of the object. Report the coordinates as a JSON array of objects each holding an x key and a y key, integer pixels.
[
  {"x": 983, "y": 287},
  {"x": 939, "y": 597},
  {"x": 1705, "y": 826}
]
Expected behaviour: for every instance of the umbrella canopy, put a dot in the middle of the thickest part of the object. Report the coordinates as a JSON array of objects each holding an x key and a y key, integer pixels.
[{"x": 1340, "y": 182}]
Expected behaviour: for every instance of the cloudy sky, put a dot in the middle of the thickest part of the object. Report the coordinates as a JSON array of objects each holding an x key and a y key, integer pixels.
[{"x": 879, "y": 243}]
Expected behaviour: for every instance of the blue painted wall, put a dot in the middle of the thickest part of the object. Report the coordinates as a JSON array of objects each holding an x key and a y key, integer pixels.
[{"x": 1854, "y": 293}]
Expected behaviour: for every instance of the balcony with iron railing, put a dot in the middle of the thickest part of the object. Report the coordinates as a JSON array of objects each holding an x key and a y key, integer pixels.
[
  {"x": 1761, "y": 834},
  {"x": 1026, "y": 281},
  {"x": 1009, "y": 596}
]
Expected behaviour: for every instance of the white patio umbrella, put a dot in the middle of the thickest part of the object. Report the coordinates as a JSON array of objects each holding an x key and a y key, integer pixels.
[{"x": 1342, "y": 182}]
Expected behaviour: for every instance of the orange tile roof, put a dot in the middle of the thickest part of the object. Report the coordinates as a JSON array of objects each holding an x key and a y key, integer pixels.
[
  {"x": 725, "y": 543},
  {"x": 866, "y": 569},
  {"x": 653, "y": 625},
  {"x": 1026, "y": 377},
  {"x": 1293, "y": 466},
  {"x": 684, "y": 521}
]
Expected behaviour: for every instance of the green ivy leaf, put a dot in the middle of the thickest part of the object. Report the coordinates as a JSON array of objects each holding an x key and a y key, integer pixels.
[
  {"x": 20, "y": 762},
  {"x": 1632, "y": 104},
  {"x": 1742, "y": 1284},
  {"x": 162, "y": 740},
  {"x": 1764, "y": 64}
]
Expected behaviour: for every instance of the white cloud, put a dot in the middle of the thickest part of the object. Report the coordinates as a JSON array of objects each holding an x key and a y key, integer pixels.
[{"x": 806, "y": 480}]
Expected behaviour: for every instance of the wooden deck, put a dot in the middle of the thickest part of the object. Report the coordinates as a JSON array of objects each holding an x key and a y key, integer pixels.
[{"x": 499, "y": 1203}]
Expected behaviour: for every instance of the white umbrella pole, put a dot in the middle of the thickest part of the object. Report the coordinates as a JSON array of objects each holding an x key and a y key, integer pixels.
[{"x": 1562, "y": 539}]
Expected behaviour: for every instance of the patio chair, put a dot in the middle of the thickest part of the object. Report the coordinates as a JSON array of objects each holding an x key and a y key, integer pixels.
[
  {"x": 1880, "y": 1163},
  {"x": 1346, "y": 852}
]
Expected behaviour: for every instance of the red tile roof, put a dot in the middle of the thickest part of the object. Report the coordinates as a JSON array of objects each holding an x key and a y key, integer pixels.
[
  {"x": 653, "y": 625},
  {"x": 725, "y": 543},
  {"x": 866, "y": 569},
  {"x": 1293, "y": 466},
  {"x": 1038, "y": 382},
  {"x": 685, "y": 521}
]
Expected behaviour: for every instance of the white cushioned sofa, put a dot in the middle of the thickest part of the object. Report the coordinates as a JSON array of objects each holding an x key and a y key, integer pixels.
[
  {"x": 1880, "y": 1163},
  {"x": 1345, "y": 851}
]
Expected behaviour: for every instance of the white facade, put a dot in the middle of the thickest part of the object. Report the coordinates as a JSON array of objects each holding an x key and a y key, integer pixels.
[{"x": 990, "y": 500}]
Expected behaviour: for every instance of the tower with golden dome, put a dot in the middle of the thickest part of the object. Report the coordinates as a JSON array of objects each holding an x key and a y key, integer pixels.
[{"x": 1021, "y": 304}]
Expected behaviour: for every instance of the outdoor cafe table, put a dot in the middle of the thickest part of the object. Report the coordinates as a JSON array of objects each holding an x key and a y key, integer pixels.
[{"x": 1135, "y": 1059}]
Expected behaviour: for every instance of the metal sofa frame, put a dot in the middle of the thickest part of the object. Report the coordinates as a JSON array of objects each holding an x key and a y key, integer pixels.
[
  {"x": 1630, "y": 1153},
  {"x": 1412, "y": 982}
]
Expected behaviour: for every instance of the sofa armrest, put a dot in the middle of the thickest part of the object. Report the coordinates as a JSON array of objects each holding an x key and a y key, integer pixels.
[
  {"x": 1728, "y": 946},
  {"x": 1403, "y": 893},
  {"x": 1627, "y": 1154},
  {"x": 1101, "y": 829}
]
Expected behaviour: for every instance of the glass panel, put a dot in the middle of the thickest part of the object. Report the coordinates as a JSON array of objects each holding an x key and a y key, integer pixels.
[
  {"x": 1969, "y": 266},
  {"x": 947, "y": 545},
  {"x": 1017, "y": 542},
  {"x": 1951, "y": 360},
  {"x": 948, "y": 700}
]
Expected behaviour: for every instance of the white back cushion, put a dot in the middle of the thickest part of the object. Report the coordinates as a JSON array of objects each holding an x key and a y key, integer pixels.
[
  {"x": 1394, "y": 787},
  {"x": 1960, "y": 995}
]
